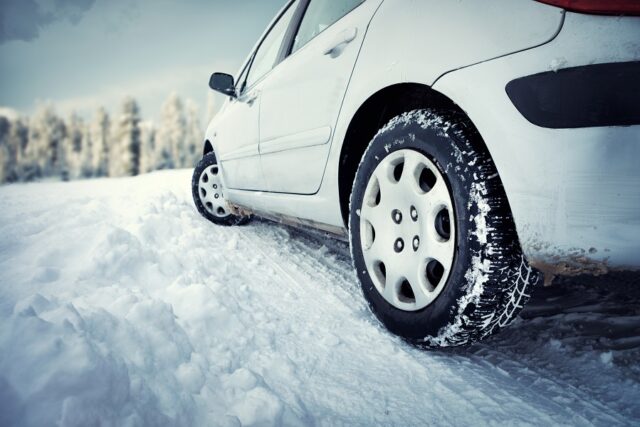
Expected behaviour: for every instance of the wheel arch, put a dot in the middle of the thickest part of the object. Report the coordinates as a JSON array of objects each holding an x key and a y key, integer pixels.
[
  {"x": 208, "y": 148},
  {"x": 374, "y": 113}
]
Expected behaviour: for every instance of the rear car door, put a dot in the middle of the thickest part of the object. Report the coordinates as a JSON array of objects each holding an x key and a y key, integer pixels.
[{"x": 300, "y": 101}]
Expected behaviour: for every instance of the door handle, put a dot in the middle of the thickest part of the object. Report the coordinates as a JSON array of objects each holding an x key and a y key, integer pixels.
[{"x": 345, "y": 37}]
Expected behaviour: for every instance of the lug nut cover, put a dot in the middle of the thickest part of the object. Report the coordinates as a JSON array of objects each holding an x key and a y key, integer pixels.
[{"x": 396, "y": 215}]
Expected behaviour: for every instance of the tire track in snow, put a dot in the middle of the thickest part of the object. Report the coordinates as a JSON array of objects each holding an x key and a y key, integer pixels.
[{"x": 575, "y": 400}]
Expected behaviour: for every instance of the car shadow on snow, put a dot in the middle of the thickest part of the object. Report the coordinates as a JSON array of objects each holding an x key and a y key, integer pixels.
[{"x": 585, "y": 312}]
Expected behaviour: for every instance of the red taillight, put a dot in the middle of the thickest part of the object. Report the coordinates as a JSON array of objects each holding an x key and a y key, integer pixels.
[{"x": 601, "y": 7}]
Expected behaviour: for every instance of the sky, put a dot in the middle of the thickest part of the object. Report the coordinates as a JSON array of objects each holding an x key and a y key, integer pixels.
[{"x": 81, "y": 54}]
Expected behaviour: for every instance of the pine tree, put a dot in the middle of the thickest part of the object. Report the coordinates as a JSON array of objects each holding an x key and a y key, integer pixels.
[
  {"x": 100, "y": 139},
  {"x": 45, "y": 154},
  {"x": 18, "y": 141},
  {"x": 147, "y": 147},
  {"x": 86, "y": 158},
  {"x": 74, "y": 146},
  {"x": 125, "y": 157},
  {"x": 5, "y": 151},
  {"x": 170, "y": 138},
  {"x": 194, "y": 135}
]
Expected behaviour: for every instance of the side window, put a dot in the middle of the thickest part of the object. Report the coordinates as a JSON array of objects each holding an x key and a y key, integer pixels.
[
  {"x": 320, "y": 15},
  {"x": 267, "y": 54}
]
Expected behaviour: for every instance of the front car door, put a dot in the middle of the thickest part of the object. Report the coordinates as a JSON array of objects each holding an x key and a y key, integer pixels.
[
  {"x": 300, "y": 101},
  {"x": 236, "y": 142},
  {"x": 237, "y": 130}
]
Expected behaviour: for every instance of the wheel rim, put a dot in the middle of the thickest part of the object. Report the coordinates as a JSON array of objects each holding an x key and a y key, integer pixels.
[
  {"x": 211, "y": 193},
  {"x": 407, "y": 230}
]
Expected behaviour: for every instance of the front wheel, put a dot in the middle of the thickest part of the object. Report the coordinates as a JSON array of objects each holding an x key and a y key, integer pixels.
[
  {"x": 208, "y": 193},
  {"x": 432, "y": 237}
]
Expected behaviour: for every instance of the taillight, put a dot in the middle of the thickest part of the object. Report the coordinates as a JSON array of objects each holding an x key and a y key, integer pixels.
[{"x": 600, "y": 7}]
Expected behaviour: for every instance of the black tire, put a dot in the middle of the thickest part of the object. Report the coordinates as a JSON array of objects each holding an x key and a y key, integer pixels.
[
  {"x": 206, "y": 162},
  {"x": 490, "y": 280}
]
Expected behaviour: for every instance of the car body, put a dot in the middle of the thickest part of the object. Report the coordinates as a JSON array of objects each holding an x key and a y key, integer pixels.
[{"x": 530, "y": 76}]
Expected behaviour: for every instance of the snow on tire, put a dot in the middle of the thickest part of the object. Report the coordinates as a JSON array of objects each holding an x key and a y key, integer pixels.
[{"x": 432, "y": 237}]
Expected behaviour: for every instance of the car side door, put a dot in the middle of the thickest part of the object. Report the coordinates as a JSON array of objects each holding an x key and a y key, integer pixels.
[
  {"x": 300, "y": 101},
  {"x": 236, "y": 140},
  {"x": 237, "y": 133}
]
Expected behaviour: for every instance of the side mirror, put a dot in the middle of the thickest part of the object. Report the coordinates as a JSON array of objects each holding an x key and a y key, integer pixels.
[{"x": 223, "y": 83}]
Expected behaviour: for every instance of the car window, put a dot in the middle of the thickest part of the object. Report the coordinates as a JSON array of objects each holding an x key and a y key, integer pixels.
[
  {"x": 267, "y": 54},
  {"x": 320, "y": 15}
]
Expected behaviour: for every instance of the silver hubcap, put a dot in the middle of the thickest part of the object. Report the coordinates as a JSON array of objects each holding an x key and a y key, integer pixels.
[
  {"x": 407, "y": 230},
  {"x": 211, "y": 192}
]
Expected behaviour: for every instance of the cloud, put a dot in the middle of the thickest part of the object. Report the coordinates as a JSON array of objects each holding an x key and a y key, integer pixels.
[{"x": 23, "y": 19}]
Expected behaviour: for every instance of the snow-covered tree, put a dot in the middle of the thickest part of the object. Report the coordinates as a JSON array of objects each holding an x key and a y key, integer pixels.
[
  {"x": 100, "y": 134},
  {"x": 147, "y": 147},
  {"x": 170, "y": 138},
  {"x": 124, "y": 156},
  {"x": 18, "y": 140},
  {"x": 194, "y": 135},
  {"x": 74, "y": 146},
  {"x": 5, "y": 151},
  {"x": 86, "y": 158},
  {"x": 45, "y": 154}
]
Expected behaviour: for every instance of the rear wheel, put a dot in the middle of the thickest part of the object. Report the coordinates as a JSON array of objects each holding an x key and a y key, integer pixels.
[
  {"x": 208, "y": 193},
  {"x": 432, "y": 237}
]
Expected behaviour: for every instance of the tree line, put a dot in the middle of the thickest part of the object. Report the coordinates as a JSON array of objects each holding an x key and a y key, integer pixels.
[{"x": 48, "y": 146}]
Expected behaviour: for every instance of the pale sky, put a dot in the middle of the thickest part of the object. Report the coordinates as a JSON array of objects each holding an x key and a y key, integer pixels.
[{"x": 80, "y": 54}]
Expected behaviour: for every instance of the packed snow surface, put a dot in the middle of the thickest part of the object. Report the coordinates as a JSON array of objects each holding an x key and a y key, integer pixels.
[{"x": 121, "y": 306}]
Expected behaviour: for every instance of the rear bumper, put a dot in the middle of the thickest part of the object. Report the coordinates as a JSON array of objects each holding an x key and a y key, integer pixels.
[
  {"x": 572, "y": 183},
  {"x": 577, "y": 204}
]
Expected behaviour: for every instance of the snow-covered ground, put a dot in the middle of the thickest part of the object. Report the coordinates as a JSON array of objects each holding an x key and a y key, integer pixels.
[{"x": 120, "y": 306}]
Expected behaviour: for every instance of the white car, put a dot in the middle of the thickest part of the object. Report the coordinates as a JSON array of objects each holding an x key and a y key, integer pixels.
[{"x": 466, "y": 148}]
